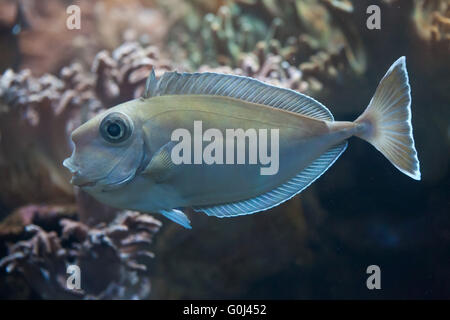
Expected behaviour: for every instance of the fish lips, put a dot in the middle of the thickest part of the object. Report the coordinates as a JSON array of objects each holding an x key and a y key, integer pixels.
[
  {"x": 81, "y": 181},
  {"x": 77, "y": 179}
]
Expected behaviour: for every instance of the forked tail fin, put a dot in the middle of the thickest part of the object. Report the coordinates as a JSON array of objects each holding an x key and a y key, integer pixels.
[{"x": 386, "y": 122}]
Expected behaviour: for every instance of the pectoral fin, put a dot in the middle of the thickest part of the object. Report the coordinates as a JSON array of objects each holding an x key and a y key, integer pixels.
[{"x": 161, "y": 167}]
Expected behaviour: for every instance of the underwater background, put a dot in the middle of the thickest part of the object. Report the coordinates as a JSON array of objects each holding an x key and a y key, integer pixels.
[{"x": 318, "y": 245}]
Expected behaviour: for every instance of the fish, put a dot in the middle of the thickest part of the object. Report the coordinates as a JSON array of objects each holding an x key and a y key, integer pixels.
[{"x": 125, "y": 156}]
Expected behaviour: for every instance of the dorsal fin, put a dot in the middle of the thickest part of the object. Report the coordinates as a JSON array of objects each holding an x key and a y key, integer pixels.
[
  {"x": 150, "y": 85},
  {"x": 238, "y": 87},
  {"x": 280, "y": 194}
]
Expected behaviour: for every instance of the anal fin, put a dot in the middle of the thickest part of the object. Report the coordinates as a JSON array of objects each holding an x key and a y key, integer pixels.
[{"x": 280, "y": 194}]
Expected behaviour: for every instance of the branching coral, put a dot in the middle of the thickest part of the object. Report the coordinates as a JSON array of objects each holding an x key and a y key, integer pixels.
[
  {"x": 303, "y": 45},
  {"x": 309, "y": 77},
  {"x": 122, "y": 75},
  {"x": 269, "y": 68},
  {"x": 432, "y": 21},
  {"x": 113, "y": 258},
  {"x": 34, "y": 113}
]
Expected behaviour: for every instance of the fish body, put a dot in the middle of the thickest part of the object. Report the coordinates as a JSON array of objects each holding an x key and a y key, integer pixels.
[{"x": 136, "y": 169}]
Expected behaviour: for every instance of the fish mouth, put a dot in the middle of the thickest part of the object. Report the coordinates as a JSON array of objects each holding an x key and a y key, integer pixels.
[
  {"x": 77, "y": 178},
  {"x": 81, "y": 181}
]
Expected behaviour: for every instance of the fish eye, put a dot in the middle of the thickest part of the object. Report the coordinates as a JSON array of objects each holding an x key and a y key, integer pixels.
[{"x": 116, "y": 127}]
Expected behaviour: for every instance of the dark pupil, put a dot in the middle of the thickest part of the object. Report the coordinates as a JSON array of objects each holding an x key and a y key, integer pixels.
[{"x": 114, "y": 130}]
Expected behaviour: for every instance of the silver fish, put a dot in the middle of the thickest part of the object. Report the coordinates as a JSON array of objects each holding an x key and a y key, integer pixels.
[{"x": 124, "y": 156}]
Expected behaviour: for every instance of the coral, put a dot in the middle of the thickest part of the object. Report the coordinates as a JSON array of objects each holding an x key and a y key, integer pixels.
[
  {"x": 222, "y": 36},
  {"x": 34, "y": 113},
  {"x": 432, "y": 22},
  {"x": 121, "y": 76},
  {"x": 269, "y": 68},
  {"x": 432, "y": 39},
  {"x": 46, "y": 216},
  {"x": 103, "y": 25},
  {"x": 303, "y": 45},
  {"x": 309, "y": 77},
  {"x": 113, "y": 258}
]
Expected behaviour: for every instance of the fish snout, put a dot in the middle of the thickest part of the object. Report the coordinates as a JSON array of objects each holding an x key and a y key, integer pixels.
[{"x": 84, "y": 134}]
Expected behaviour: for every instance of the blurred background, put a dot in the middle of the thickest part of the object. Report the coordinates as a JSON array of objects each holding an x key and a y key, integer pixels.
[{"x": 316, "y": 246}]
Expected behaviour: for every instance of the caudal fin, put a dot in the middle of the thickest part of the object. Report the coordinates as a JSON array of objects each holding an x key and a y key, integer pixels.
[{"x": 386, "y": 122}]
